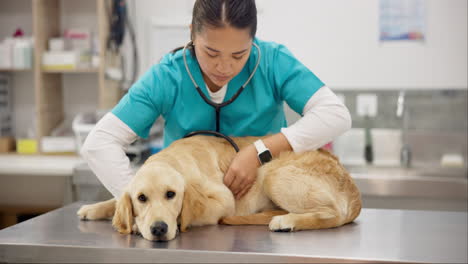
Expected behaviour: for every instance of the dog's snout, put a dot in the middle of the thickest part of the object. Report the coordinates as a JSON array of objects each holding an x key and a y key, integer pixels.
[{"x": 159, "y": 228}]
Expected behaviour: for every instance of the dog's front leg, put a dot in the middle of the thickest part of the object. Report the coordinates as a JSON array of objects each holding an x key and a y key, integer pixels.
[
  {"x": 206, "y": 204},
  {"x": 97, "y": 211}
]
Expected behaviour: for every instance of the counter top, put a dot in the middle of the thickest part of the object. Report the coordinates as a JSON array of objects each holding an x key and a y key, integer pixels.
[
  {"x": 40, "y": 165},
  {"x": 376, "y": 235}
]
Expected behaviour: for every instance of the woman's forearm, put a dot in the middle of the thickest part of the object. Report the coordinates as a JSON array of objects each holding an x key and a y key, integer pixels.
[{"x": 104, "y": 151}]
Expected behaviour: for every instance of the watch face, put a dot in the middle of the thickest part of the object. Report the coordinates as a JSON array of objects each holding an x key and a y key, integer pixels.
[{"x": 265, "y": 156}]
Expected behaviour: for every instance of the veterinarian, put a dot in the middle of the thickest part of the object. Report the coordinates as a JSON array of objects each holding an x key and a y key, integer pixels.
[{"x": 221, "y": 57}]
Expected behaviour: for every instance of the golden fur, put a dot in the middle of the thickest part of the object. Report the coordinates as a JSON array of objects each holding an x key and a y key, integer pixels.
[{"x": 293, "y": 192}]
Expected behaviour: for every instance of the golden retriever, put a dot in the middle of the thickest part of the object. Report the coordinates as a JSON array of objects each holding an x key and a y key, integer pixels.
[{"x": 183, "y": 186}]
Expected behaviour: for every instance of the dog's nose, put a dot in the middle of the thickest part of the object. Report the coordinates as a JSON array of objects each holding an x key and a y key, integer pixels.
[{"x": 159, "y": 228}]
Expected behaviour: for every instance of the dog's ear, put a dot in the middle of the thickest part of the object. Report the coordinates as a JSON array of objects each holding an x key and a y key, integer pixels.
[
  {"x": 123, "y": 217},
  {"x": 193, "y": 205}
]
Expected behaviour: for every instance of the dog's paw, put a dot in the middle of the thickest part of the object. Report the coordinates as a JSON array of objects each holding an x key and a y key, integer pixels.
[
  {"x": 282, "y": 223},
  {"x": 89, "y": 212}
]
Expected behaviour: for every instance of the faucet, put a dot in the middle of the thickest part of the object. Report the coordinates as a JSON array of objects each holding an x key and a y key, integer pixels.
[{"x": 402, "y": 112}]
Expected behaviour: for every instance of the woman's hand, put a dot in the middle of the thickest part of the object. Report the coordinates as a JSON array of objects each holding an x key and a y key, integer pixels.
[{"x": 242, "y": 172}]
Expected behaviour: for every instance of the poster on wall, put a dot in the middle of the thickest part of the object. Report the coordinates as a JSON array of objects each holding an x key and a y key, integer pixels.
[{"x": 402, "y": 20}]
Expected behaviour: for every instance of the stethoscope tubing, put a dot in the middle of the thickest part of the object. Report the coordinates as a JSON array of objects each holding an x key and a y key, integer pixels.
[
  {"x": 207, "y": 100},
  {"x": 217, "y": 106},
  {"x": 218, "y": 134}
]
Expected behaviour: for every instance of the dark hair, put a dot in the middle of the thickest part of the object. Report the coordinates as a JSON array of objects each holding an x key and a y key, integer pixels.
[{"x": 240, "y": 14}]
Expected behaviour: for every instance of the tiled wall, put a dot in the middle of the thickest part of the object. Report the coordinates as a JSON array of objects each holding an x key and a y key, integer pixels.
[
  {"x": 428, "y": 109},
  {"x": 437, "y": 120}
]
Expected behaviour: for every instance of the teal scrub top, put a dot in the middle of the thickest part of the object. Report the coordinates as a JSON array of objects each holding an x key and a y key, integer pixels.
[{"x": 166, "y": 89}]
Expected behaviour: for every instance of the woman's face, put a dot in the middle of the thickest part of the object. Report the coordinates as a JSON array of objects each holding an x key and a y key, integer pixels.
[{"x": 221, "y": 53}]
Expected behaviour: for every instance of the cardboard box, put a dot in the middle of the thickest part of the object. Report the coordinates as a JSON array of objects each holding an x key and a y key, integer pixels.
[{"x": 7, "y": 144}]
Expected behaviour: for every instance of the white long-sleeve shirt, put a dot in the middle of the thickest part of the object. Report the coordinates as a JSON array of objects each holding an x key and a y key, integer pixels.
[{"x": 324, "y": 118}]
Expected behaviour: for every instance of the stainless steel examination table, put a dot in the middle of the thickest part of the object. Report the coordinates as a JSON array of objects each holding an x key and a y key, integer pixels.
[{"x": 377, "y": 235}]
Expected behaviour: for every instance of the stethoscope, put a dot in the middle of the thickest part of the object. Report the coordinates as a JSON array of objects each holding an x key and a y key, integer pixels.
[{"x": 217, "y": 106}]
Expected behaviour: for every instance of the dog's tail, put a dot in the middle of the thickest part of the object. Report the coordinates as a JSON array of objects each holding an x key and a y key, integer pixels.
[{"x": 262, "y": 218}]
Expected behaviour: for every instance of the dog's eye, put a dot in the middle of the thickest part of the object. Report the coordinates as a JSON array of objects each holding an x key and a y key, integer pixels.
[
  {"x": 142, "y": 198},
  {"x": 170, "y": 194}
]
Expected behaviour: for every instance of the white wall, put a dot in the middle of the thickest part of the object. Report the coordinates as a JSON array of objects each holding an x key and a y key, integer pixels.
[
  {"x": 146, "y": 11},
  {"x": 338, "y": 40}
]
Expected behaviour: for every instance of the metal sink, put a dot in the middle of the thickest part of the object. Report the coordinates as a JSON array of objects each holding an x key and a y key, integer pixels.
[
  {"x": 418, "y": 182},
  {"x": 418, "y": 171}
]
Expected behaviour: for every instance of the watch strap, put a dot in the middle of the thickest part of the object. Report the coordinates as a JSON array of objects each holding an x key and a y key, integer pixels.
[
  {"x": 260, "y": 146},
  {"x": 263, "y": 153}
]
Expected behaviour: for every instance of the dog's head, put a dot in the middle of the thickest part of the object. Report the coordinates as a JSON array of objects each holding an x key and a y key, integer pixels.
[{"x": 156, "y": 201}]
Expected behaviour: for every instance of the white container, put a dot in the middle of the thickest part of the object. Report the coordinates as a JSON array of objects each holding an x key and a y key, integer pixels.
[
  {"x": 6, "y": 53},
  {"x": 349, "y": 147},
  {"x": 95, "y": 61},
  {"x": 78, "y": 39},
  {"x": 81, "y": 130},
  {"x": 452, "y": 160},
  {"x": 60, "y": 59},
  {"x": 28, "y": 52},
  {"x": 82, "y": 124},
  {"x": 58, "y": 144},
  {"x": 18, "y": 55},
  {"x": 56, "y": 44},
  {"x": 387, "y": 146},
  {"x": 22, "y": 54}
]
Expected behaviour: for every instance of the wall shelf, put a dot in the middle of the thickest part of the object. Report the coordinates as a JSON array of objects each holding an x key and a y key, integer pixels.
[
  {"x": 84, "y": 70},
  {"x": 15, "y": 70},
  {"x": 48, "y": 87},
  {"x": 45, "y": 19}
]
